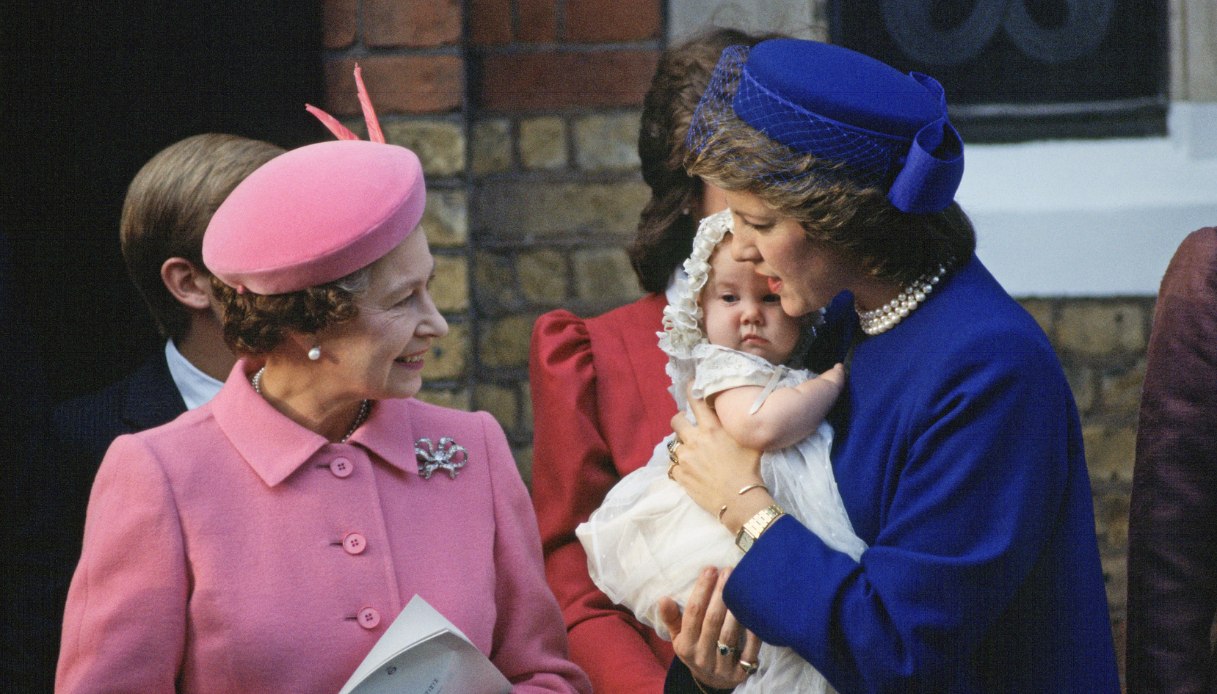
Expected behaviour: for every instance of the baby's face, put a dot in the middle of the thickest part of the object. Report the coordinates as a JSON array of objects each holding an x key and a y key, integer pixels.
[{"x": 741, "y": 313}]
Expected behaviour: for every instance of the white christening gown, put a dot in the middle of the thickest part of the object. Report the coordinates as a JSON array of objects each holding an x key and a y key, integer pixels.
[{"x": 649, "y": 539}]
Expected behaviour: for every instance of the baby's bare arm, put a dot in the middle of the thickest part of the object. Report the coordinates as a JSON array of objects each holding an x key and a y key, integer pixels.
[{"x": 788, "y": 414}]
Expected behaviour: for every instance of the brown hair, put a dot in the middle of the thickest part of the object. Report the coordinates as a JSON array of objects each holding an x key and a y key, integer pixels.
[
  {"x": 258, "y": 323},
  {"x": 890, "y": 244},
  {"x": 168, "y": 206},
  {"x": 665, "y": 231}
]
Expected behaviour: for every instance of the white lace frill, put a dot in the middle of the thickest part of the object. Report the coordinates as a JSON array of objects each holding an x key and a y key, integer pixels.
[{"x": 682, "y": 318}]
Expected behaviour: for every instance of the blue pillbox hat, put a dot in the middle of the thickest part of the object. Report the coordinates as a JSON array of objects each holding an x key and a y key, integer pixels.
[{"x": 877, "y": 125}]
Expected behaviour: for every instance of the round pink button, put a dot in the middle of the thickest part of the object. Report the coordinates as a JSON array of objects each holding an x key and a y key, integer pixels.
[
  {"x": 341, "y": 467},
  {"x": 369, "y": 618},
  {"x": 354, "y": 543}
]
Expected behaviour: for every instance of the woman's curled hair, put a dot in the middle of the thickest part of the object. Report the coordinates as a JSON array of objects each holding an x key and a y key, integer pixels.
[{"x": 258, "y": 323}]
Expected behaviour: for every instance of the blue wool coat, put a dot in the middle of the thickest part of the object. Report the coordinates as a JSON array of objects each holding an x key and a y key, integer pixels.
[{"x": 959, "y": 455}]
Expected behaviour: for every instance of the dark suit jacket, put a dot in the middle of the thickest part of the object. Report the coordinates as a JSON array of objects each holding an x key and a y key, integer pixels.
[
  {"x": 1172, "y": 543},
  {"x": 147, "y": 398},
  {"x": 54, "y": 499}
]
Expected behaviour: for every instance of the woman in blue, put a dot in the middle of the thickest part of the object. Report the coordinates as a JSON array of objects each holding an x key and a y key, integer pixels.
[{"x": 958, "y": 451}]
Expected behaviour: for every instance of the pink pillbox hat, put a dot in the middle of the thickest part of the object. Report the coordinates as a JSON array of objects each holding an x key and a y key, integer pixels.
[{"x": 316, "y": 214}]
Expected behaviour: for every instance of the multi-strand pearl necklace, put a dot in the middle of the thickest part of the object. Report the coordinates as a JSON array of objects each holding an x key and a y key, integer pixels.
[
  {"x": 364, "y": 407},
  {"x": 886, "y": 317}
]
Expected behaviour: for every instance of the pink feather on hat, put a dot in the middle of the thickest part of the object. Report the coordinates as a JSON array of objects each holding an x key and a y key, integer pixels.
[
  {"x": 375, "y": 134},
  {"x": 317, "y": 213}
]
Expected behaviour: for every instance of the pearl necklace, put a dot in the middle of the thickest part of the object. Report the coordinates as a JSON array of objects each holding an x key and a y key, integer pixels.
[
  {"x": 364, "y": 407},
  {"x": 911, "y": 296}
]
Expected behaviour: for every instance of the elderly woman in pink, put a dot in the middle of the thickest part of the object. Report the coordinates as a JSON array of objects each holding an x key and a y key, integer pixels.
[{"x": 265, "y": 541}]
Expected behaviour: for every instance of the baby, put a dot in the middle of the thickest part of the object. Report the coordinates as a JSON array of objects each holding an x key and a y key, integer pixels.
[{"x": 726, "y": 335}]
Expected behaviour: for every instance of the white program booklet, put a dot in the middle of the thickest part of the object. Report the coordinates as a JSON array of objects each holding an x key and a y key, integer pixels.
[{"x": 423, "y": 653}]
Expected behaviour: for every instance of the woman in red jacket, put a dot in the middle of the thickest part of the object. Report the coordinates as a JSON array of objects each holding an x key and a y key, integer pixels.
[{"x": 599, "y": 390}]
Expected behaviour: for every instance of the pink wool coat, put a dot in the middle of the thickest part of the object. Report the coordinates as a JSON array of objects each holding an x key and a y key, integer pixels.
[{"x": 232, "y": 550}]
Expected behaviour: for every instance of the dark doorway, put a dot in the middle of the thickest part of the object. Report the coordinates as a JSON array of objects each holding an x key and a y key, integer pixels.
[{"x": 90, "y": 92}]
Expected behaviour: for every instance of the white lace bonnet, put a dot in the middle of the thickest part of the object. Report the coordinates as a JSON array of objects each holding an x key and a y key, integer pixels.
[{"x": 682, "y": 317}]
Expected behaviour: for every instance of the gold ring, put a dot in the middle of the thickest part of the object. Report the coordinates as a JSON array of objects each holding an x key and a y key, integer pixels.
[
  {"x": 672, "y": 446},
  {"x": 671, "y": 467},
  {"x": 748, "y": 667}
]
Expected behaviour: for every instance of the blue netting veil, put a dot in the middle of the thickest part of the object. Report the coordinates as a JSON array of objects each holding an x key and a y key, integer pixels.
[{"x": 861, "y": 120}]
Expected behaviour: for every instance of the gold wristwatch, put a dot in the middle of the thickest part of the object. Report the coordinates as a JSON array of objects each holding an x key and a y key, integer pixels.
[{"x": 757, "y": 525}]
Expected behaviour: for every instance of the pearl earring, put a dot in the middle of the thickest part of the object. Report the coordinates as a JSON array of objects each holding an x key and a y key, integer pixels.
[{"x": 315, "y": 353}]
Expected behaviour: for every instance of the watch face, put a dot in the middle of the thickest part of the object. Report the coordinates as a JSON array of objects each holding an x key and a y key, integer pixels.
[
  {"x": 743, "y": 540},
  {"x": 756, "y": 525}
]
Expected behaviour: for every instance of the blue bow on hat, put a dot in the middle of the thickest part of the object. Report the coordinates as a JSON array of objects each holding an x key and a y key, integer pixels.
[{"x": 933, "y": 168}]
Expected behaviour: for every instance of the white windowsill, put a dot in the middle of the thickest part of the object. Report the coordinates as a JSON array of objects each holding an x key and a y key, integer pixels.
[{"x": 1094, "y": 217}]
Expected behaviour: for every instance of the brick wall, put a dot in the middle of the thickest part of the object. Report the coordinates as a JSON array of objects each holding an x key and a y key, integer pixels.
[
  {"x": 414, "y": 62},
  {"x": 555, "y": 124},
  {"x": 525, "y": 115},
  {"x": 1101, "y": 344}
]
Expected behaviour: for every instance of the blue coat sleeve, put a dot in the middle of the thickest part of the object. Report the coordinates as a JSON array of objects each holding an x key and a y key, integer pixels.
[{"x": 958, "y": 469}]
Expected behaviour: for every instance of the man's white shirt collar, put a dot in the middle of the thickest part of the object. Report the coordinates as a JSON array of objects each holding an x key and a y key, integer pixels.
[{"x": 195, "y": 386}]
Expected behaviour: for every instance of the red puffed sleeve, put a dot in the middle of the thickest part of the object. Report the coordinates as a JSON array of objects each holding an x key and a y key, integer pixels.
[{"x": 599, "y": 406}]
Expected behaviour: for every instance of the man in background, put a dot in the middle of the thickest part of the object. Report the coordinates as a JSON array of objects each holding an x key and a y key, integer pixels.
[{"x": 166, "y": 211}]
